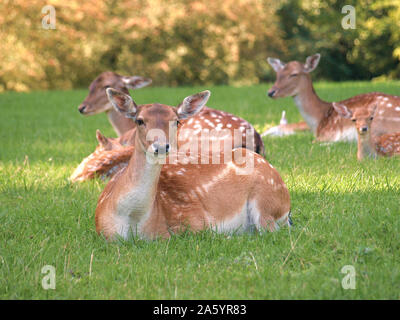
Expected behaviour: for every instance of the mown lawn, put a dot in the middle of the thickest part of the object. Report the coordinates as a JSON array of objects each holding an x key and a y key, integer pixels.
[{"x": 345, "y": 212}]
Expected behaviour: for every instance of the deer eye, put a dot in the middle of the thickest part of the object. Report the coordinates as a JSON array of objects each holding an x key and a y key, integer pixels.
[
  {"x": 139, "y": 122},
  {"x": 106, "y": 87},
  {"x": 354, "y": 120},
  {"x": 371, "y": 118},
  {"x": 178, "y": 123},
  {"x": 294, "y": 75}
]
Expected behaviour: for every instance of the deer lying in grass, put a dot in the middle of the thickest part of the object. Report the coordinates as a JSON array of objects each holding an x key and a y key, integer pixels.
[
  {"x": 110, "y": 156},
  {"x": 105, "y": 162},
  {"x": 97, "y": 102},
  {"x": 294, "y": 80},
  {"x": 151, "y": 199},
  {"x": 368, "y": 145}
]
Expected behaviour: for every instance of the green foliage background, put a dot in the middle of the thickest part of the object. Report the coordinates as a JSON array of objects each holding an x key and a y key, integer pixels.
[{"x": 196, "y": 42}]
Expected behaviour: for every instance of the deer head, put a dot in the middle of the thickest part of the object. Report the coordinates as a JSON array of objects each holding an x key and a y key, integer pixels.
[
  {"x": 291, "y": 77},
  {"x": 97, "y": 101},
  {"x": 361, "y": 117},
  {"x": 156, "y": 122}
]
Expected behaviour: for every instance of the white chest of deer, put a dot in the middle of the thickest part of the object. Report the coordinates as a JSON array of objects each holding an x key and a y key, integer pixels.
[
  {"x": 151, "y": 199},
  {"x": 134, "y": 207}
]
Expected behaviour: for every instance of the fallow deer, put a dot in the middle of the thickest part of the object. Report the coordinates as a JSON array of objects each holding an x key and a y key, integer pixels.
[
  {"x": 151, "y": 199},
  {"x": 368, "y": 145},
  {"x": 110, "y": 156},
  {"x": 294, "y": 80},
  {"x": 97, "y": 102}
]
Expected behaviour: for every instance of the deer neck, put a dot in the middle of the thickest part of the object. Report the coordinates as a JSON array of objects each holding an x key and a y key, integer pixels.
[
  {"x": 311, "y": 107},
  {"x": 366, "y": 147},
  {"x": 120, "y": 123},
  {"x": 137, "y": 202}
]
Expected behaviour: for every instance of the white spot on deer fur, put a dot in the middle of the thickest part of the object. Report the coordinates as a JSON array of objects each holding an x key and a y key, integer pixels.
[
  {"x": 386, "y": 98},
  {"x": 271, "y": 181},
  {"x": 219, "y": 125},
  {"x": 389, "y": 105},
  {"x": 228, "y": 125},
  {"x": 190, "y": 121},
  {"x": 397, "y": 108},
  {"x": 380, "y": 112},
  {"x": 217, "y": 120}
]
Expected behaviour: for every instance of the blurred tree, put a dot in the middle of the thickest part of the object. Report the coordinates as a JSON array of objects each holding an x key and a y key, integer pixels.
[
  {"x": 366, "y": 52},
  {"x": 182, "y": 42}
]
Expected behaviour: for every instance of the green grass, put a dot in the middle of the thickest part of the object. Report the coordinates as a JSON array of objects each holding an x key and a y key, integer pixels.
[{"x": 345, "y": 212}]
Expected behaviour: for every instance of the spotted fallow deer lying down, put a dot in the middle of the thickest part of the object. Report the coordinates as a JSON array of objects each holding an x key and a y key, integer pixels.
[
  {"x": 97, "y": 102},
  {"x": 369, "y": 146},
  {"x": 294, "y": 80},
  {"x": 110, "y": 156},
  {"x": 155, "y": 196}
]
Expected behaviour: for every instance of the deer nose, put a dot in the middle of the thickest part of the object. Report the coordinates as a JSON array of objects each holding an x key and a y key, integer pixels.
[
  {"x": 271, "y": 93},
  {"x": 364, "y": 129},
  {"x": 82, "y": 108}
]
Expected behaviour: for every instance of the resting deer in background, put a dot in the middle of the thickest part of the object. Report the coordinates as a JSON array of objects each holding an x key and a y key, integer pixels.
[
  {"x": 368, "y": 145},
  {"x": 110, "y": 156},
  {"x": 294, "y": 80},
  {"x": 151, "y": 199},
  {"x": 97, "y": 102}
]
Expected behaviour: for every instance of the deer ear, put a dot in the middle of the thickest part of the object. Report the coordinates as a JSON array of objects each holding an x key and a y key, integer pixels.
[
  {"x": 373, "y": 110},
  {"x": 342, "y": 110},
  {"x": 276, "y": 64},
  {"x": 136, "y": 82},
  {"x": 103, "y": 141},
  {"x": 283, "y": 120},
  {"x": 312, "y": 62},
  {"x": 122, "y": 102},
  {"x": 193, "y": 104}
]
